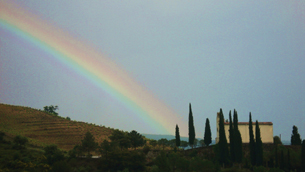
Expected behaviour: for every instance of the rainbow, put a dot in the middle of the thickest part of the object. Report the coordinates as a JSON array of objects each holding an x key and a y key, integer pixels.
[{"x": 91, "y": 64}]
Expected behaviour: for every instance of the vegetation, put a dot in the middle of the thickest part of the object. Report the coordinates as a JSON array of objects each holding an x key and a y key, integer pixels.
[
  {"x": 223, "y": 151},
  {"x": 258, "y": 146},
  {"x": 207, "y": 133},
  {"x": 131, "y": 152},
  {"x": 303, "y": 156},
  {"x": 295, "y": 137},
  {"x": 237, "y": 140},
  {"x": 191, "y": 128},
  {"x": 163, "y": 143},
  {"x": 51, "y": 109},
  {"x": 42, "y": 129},
  {"x": 114, "y": 159},
  {"x": 136, "y": 139},
  {"x": 277, "y": 140},
  {"x": 121, "y": 139},
  {"x": 232, "y": 138},
  {"x": 53, "y": 154},
  {"x": 251, "y": 141},
  {"x": 20, "y": 142},
  {"x": 88, "y": 143},
  {"x": 177, "y": 136}
]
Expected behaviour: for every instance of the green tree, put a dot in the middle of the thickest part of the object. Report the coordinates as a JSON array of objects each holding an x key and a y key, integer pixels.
[
  {"x": 172, "y": 143},
  {"x": 191, "y": 127},
  {"x": 105, "y": 148},
  {"x": 77, "y": 150},
  {"x": 184, "y": 143},
  {"x": 238, "y": 140},
  {"x": 121, "y": 138},
  {"x": 88, "y": 143},
  {"x": 136, "y": 139},
  {"x": 223, "y": 151},
  {"x": 258, "y": 145},
  {"x": 251, "y": 141},
  {"x": 277, "y": 140},
  {"x": 53, "y": 154},
  {"x": 51, "y": 109},
  {"x": 153, "y": 143},
  {"x": 177, "y": 136},
  {"x": 162, "y": 162},
  {"x": 295, "y": 137},
  {"x": 303, "y": 156},
  {"x": 163, "y": 142},
  {"x": 20, "y": 142},
  {"x": 207, "y": 133},
  {"x": 232, "y": 137}
]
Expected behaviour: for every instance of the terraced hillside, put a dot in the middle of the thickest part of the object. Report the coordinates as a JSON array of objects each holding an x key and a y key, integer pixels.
[{"x": 43, "y": 129}]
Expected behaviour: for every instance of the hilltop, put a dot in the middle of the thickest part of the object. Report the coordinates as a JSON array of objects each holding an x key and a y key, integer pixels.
[{"x": 44, "y": 129}]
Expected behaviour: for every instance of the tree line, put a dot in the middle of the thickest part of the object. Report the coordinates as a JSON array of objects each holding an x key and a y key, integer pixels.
[
  {"x": 233, "y": 152},
  {"x": 130, "y": 151},
  {"x": 207, "y": 139}
]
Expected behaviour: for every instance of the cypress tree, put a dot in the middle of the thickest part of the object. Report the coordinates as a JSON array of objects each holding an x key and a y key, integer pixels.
[
  {"x": 295, "y": 137},
  {"x": 191, "y": 128},
  {"x": 258, "y": 145},
  {"x": 223, "y": 154},
  {"x": 303, "y": 156},
  {"x": 238, "y": 141},
  {"x": 207, "y": 133},
  {"x": 177, "y": 137},
  {"x": 252, "y": 142},
  {"x": 232, "y": 139}
]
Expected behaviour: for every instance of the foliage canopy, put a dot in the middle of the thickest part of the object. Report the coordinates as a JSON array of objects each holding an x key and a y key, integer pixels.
[
  {"x": 207, "y": 133},
  {"x": 88, "y": 143},
  {"x": 295, "y": 137},
  {"x": 51, "y": 109},
  {"x": 136, "y": 139},
  {"x": 191, "y": 127}
]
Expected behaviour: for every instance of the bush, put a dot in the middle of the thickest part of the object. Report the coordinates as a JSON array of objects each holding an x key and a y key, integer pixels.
[
  {"x": 198, "y": 165},
  {"x": 154, "y": 168},
  {"x": 51, "y": 109},
  {"x": 162, "y": 162},
  {"x": 20, "y": 142},
  {"x": 53, "y": 154},
  {"x": 146, "y": 149},
  {"x": 116, "y": 161},
  {"x": 178, "y": 163},
  {"x": 277, "y": 140}
]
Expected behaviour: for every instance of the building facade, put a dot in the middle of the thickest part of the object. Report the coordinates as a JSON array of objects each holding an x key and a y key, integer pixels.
[{"x": 266, "y": 130}]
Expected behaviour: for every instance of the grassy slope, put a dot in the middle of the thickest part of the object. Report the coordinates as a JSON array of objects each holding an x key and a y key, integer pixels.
[{"x": 43, "y": 129}]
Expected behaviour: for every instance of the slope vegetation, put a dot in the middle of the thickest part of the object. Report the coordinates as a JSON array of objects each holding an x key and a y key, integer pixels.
[{"x": 44, "y": 129}]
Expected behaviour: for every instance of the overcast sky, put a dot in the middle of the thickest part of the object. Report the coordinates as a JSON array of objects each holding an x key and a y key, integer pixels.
[{"x": 243, "y": 55}]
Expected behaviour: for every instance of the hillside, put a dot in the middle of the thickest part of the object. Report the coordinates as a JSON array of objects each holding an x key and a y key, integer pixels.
[{"x": 43, "y": 129}]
